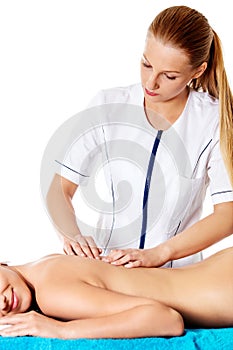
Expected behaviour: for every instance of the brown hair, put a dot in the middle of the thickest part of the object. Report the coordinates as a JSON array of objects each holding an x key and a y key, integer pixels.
[{"x": 189, "y": 30}]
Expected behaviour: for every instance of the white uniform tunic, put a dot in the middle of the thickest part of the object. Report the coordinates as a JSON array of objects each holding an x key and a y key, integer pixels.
[{"x": 139, "y": 186}]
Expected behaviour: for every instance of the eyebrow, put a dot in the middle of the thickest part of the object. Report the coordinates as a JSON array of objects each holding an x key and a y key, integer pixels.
[{"x": 166, "y": 71}]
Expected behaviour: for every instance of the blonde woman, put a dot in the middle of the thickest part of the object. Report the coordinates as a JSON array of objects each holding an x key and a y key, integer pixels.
[{"x": 184, "y": 80}]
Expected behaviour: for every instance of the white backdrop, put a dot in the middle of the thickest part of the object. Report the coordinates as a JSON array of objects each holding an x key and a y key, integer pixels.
[{"x": 55, "y": 55}]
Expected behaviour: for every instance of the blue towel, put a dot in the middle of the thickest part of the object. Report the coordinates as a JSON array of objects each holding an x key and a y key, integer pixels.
[{"x": 193, "y": 339}]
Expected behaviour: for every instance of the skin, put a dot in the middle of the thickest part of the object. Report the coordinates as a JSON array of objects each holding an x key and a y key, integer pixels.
[
  {"x": 98, "y": 300},
  {"x": 166, "y": 71}
]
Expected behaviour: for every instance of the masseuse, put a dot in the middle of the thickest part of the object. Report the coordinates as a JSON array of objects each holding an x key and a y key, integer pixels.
[{"x": 182, "y": 79}]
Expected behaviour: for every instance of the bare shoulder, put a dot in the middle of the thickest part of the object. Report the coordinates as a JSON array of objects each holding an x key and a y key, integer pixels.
[
  {"x": 56, "y": 259},
  {"x": 51, "y": 268},
  {"x": 48, "y": 258},
  {"x": 58, "y": 284}
]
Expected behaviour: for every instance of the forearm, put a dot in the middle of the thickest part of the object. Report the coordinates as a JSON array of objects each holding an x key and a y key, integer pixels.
[
  {"x": 141, "y": 321},
  {"x": 201, "y": 235},
  {"x": 59, "y": 202},
  {"x": 62, "y": 212},
  {"x": 153, "y": 319}
]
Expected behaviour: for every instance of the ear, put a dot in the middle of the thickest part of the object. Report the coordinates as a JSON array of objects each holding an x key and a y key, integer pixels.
[{"x": 200, "y": 70}]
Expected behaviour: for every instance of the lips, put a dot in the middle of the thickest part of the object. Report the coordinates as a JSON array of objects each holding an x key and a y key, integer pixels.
[
  {"x": 14, "y": 301},
  {"x": 150, "y": 92}
]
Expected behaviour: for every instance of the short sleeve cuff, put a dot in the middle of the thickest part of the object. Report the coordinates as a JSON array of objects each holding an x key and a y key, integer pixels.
[
  {"x": 72, "y": 175},
  {"x": 222, "y": 196}
]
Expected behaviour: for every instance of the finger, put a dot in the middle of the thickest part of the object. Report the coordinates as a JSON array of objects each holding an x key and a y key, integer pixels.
[
  {"x": 68, "y": 249},
  {"x": 114, "y": 255},
  {"x": 77, "y": 249},
  {"x": 10, "y": 320},
  {"x": 122, "y": 261},
  {"x": 73, "y": 246},
  {"x": 17, "y": 331},
  {"x": 14, "y": 324},
  {"x": 3, "y": 326},
  {"x": 3, "y": 320},
  {"x": 9, "y": 331},
  {"x": 87, "y": 251},
  {"x": 80, "y": 248},
  {"x": 93, "y": 247},
  {"x": 84, "y": 245},
  {"x": 19, "y": 317},
  {"x": 130, "y": 255},
  {"x": 132, "y": 264}
]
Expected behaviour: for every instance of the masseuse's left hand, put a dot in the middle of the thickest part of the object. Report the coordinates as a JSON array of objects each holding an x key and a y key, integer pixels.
[
  {"x": 153, "y": 257},
  {"x": 31, "y": 323}
]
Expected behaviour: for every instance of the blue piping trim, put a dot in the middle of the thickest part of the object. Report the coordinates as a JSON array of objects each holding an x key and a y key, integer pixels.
[
  {"x": 71, "y": 169},
  {"x": 221, "y": 192},
  {"x": 201, "y": 155},
  {"x": 147, "y": 188}
]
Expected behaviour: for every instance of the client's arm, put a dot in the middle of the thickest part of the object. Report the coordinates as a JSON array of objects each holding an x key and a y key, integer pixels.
[{"x": 96, "y": 313}]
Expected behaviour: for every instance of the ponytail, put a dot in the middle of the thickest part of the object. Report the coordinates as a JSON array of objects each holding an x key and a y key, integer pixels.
[
  {"x": 218, "y": 86},
  {"x": 189, "y": 30}
]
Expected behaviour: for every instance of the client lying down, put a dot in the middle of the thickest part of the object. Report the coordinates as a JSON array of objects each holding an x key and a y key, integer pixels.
[{"x": 87, "y": 298}]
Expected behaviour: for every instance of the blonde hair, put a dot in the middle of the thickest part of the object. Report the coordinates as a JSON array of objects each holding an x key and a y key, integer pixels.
[{"x": 189, "y": 30}]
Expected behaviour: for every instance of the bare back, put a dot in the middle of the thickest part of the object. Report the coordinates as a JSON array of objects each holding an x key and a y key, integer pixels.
[{"x": 202, "y": 293}]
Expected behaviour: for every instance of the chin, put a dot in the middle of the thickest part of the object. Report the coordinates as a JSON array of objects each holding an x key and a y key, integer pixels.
[
  {"x": 151, "y": 99},
  {"x": 26, "y": 304}
]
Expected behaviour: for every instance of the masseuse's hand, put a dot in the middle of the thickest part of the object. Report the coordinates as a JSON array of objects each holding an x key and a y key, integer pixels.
[
  {"x": 154, "y": 257},
  {"x": 31, "y": 323},
  {"x": 82, "y": 245}
]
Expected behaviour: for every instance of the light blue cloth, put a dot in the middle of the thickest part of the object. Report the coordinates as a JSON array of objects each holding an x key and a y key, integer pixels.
[{"x": 195, "y": 339}]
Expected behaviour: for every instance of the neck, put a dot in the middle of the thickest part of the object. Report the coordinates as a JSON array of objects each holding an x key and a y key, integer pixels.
[
  {"x": 25, "y": 273},
  {"x": 169, "y": 110}
]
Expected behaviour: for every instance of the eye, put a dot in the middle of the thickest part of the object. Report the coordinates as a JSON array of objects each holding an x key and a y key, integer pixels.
[
  {"x": 169, "y": 77},
  {"x": 147, "y": 65}
]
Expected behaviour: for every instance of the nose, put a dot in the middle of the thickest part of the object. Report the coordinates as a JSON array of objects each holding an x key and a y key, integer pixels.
[{"x": 152, "y": 82}]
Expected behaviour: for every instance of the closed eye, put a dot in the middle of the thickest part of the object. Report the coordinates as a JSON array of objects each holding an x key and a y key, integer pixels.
[
  {"x": 146, "y": 65},
  {"x": 169, "y": 77}
]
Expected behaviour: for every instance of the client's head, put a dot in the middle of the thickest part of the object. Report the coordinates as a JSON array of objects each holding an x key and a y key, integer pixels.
[{"x": 15, "y": 295}]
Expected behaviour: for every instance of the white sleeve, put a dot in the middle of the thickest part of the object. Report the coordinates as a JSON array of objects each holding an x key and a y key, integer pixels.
[
  {"x": 77, "y": 163},
  {"x": 97, "y": 100},
  {"x": 74, "y": 166},
  {"x": 80, "y": 159},
  {"x": 220, "y": 186}
]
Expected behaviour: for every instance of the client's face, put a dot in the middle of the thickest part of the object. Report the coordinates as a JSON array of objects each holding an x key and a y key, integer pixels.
[{"x": 15, "y": 296}]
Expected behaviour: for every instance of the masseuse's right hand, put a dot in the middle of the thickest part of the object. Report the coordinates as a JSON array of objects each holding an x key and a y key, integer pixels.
[{"x": 82, "y": 246}]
